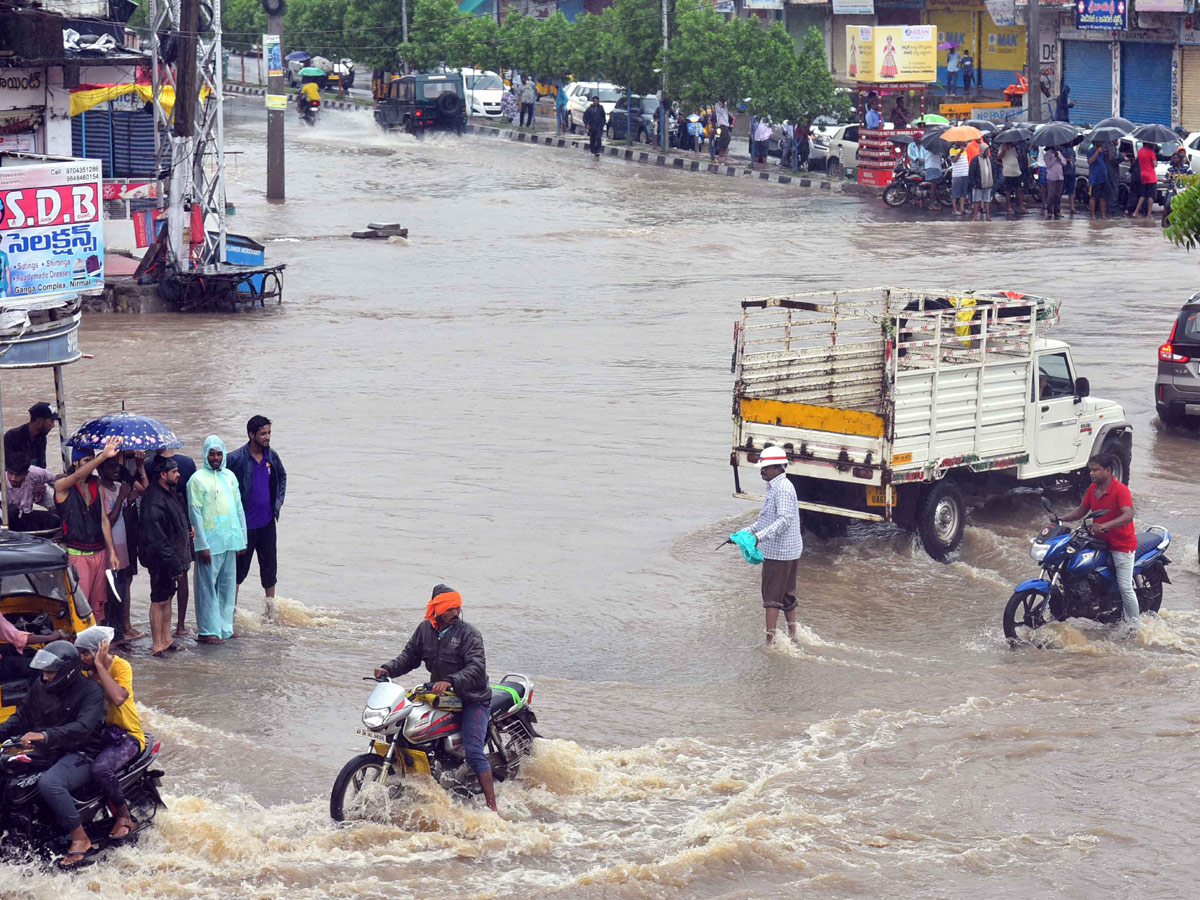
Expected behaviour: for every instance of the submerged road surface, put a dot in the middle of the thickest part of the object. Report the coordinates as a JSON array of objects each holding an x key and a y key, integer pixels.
[{"x": 530, "y": 400}]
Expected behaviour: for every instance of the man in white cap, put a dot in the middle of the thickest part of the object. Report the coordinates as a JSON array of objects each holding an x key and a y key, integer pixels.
[{"x": 777, "y": 532}]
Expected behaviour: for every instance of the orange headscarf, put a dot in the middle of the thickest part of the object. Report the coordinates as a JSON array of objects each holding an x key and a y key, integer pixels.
[{"x": 440, "y": 603}]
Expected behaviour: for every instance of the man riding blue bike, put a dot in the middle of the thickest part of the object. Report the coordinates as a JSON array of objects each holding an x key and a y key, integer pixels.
[{"x": 1108, "y": 496}]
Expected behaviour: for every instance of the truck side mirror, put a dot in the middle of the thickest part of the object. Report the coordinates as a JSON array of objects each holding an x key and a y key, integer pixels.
[{"x": 1082, "y": 388}]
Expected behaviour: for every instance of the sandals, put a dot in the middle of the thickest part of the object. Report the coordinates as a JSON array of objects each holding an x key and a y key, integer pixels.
[
  {"x": 209, "y": 639},
  {"x": 133, "y": 828},
  {"x": 71, "y": 861}
]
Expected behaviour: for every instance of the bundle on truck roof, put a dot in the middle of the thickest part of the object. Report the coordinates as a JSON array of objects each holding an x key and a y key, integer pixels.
[{"x": 896, "y": 404}]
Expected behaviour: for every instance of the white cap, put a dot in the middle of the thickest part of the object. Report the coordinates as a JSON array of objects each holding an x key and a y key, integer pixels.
[{"x": 773, "y": 456}]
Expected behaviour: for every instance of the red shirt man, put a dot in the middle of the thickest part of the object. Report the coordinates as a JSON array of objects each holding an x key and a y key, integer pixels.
[
  {"x": 1112, "y": 500},
  {"x": 1147, "y": 162}
]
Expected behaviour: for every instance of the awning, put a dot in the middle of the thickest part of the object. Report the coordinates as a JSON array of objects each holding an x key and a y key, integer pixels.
[{"x": 84, "y": 99}]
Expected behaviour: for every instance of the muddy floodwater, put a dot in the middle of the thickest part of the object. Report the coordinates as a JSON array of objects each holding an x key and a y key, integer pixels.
[{"x": 530, "y": 400}]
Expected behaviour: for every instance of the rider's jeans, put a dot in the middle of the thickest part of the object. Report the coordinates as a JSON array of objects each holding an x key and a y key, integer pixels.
[
  {"x": 474, "y": 734},
  {"x": 70, "y": 773},
  {"x": 1123, "y": 566}
]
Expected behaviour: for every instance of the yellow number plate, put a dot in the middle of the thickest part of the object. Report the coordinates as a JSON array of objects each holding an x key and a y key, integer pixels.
[
  {"x": 876, "y": 496},
  {"x": 900, "y": 459}
]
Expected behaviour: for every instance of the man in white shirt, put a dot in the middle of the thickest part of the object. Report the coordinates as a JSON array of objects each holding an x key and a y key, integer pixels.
[
  {"x": 952, "y": 63},
  {"x": 777, "y": 532}
]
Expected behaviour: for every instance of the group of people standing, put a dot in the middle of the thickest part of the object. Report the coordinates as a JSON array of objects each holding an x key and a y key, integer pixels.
[{"x": 115, "y": 508}]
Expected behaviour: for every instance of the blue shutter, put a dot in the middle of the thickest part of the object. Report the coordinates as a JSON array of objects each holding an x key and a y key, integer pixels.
[
  {"x": 1087, "y": 71},
  {"x": 122, "y": 140},
  {"x": 1146, "y": 83}
]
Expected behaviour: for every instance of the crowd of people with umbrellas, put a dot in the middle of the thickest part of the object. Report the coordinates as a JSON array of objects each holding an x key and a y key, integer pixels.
[
  {"x": 129, "y": 496},
  {"x": 972, "y": 165}
]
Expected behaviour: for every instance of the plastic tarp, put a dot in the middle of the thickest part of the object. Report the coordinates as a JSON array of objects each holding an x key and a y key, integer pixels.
[{"x": 84, "y": 99}]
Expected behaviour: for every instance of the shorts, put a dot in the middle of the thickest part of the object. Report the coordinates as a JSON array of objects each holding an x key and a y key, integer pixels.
[
  {"x": 779, "y": 583},
  {"x": 960, "y": 187},
  {"x": 933, "y": 174},
  {"x": 1148, "y": 190},
  {"x": 1100, "y": 191},
  {"x": 163, "y": 585},
  {"x": 981, "y": 195}
]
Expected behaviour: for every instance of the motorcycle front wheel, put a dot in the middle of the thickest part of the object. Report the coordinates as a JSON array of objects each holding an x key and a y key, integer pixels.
[
  {"x": 895, "y": 194},
  {"x": 356, "y": 775},
  {"x": 1025, "y": 609}
]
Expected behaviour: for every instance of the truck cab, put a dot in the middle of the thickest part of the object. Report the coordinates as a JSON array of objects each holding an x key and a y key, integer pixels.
[{"x": 420, "y": 103}]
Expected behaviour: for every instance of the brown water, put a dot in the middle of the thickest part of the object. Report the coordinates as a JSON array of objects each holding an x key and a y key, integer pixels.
[{"x": 529, "y": 400}]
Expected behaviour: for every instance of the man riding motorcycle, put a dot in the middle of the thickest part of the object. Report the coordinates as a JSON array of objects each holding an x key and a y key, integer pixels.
[
  {"x": 59, "y": 717},
  {"x": 309, "y": 96},
  {"x": 452, "y": 651}
]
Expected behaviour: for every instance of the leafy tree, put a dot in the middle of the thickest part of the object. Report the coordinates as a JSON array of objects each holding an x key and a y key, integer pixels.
[
  {"x": 437, "y": 35},
  {"x": 519, "y": 42},
  {"x": 629, "y": 46},
  {"x": 372, "y": 30},
  {"x": 818, "y": 96},
  {"x": 702, "y": 65},
  {"x": 319, "y": 27},
  {"x": 555, "y": 55},
  {"x": 1183, "y": 225}
]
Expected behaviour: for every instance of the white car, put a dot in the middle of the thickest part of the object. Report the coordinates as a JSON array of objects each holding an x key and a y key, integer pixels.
[
  {"x": 842, "y": 158},
  {"x": 484, "y": 91},
  {"x": 579, "y": 98},
  {"x": 1191, "y": 146}
]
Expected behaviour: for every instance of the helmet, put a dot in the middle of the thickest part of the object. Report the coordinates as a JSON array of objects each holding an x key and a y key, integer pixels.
[
  {"x": 60, "y": 657},
  {"x": 773, "y": 456}
]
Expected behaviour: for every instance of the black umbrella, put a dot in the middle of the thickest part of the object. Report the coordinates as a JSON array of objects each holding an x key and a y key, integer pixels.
[
  {"x": 1107, "y": 134},
  {"x": 1116, "y": 122},
  {"x": 1010, "y": 136},
  {"x": 901, "y": 138},
  {"x": 933, "y": 142},
  {"x": 1154, "y": 134},
  {"x": 1055, "y": 135},
  {"x": 982, "y": 124}
]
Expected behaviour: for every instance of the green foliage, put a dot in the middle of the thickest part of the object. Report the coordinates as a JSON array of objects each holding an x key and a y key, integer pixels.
[
  {"x": 1183, "y": 225},
  {"x": 628, "y": 44},
  {"x": 438, "y": 34},
  {"x": 243, "y": 24},
  {"x": 702, "y": 65}
]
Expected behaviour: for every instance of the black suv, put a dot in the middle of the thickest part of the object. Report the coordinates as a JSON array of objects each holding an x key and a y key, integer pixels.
[
  {"x": 645, "y": 119},
  {"x": 1177, "y": 388},
  {"x": 418, "y": 103}
]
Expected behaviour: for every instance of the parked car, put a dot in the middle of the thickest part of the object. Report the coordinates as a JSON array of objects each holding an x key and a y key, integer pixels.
[
  {"x": 642, "y": 125},
  {"x": 579, "y": 98},
  {"x": 420, "y": 103},
  {"x": 840, "y": 154},
  {"x": 1177, "y": 387},
  {"x": 484, "y": 90}
]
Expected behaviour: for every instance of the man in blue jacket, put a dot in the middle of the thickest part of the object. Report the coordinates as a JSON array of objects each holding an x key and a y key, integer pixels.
[{"x": 263, "y": 483}]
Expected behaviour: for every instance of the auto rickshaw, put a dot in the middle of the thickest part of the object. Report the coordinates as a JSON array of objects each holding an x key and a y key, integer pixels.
[{"x": 39, "y": 594}]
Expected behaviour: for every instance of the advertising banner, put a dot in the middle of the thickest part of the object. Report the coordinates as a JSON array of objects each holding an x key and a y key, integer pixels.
[
  {"x": 51, "y": 228},
  {"x": 272, "y": 55},
  {"x": 1179, "y": 7},
  {"x": 854, "y": 8},
  {"x": 1003, "y": 12},
  {"x": 276, "y": 101},
  {"x": 893, "y": 53},
  {"x": 1101, "y": 15},
  {"x": 762, "y": 4}
]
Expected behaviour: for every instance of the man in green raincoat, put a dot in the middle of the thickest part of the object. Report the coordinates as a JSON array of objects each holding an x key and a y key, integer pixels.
[{"x": 215, "y": 509}]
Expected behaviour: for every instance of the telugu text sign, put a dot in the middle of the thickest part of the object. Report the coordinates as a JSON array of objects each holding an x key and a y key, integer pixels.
[
  {"x": 51, "y": 228},
  {"x": 1101, "y": 15}
]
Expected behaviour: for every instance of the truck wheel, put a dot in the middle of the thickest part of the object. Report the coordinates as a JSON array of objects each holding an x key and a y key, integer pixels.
[
  {"x": 1121, "y": 451},
  {"x": 941, "y": 519}
]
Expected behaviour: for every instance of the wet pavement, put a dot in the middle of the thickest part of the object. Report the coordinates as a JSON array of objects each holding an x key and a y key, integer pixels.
[{"x": 529, "y": 399}]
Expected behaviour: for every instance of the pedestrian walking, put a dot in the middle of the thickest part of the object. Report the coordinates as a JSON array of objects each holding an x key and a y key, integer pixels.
[
  {"x": 721, "y": 111},
  {"x": 262, "y": 481},
  {"x": 983, "y": 178},
  {"x": 508, "y": 104},
  {"x": 1098, "y": 180},
  {"x": 164, "y": 547},
  {"x": 1055, "y": 163},
  {"x": 1114, "y": 178},
  {"x": 87, "y": 533},
  {"x": 26, "y": 486},
  {"x": 30, "y": 438},
  {"x": 215, "y": 511},
  {"x": 187, "y": 468},
  {"x": 777, "y": 534},
  {"x": 528, "y": 97},
  {"x": 803, "y": 145},
  {"x": 960, "y": 180},
  {"x": 1062, "y": 108},
  {"x": 966, "y": 67},
  {"x": 560, "y": 107},
  {"x": 952, "y": 64},
  {"x": 594, "y": 119}
]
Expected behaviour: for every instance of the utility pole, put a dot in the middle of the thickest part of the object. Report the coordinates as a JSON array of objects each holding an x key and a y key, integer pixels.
[
  {"x": 662, "y": 107},
  {"x": 1033, "y": 43},
  {"x": 404, "y": 19},
  {"x": 187, "y": 86},
  {"x": 275, "y": 168}
]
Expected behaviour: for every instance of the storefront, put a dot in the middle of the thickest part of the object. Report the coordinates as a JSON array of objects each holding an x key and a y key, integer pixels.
[
  {"x": 1146, "y": 81},
  {"x": 1087, "y": 69}
]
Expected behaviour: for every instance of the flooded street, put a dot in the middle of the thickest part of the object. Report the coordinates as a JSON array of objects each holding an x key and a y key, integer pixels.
[{"x": 530, "y": 400}]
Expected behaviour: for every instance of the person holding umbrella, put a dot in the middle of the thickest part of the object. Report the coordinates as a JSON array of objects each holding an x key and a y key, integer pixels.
[
  {"x": 87, "y": 533},
  {"x": 1098, "y": 179}
]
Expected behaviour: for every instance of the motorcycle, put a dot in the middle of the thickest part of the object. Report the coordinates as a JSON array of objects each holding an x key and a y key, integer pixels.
[
  {"x": 418, "y": 732},
  {"x": 1078, "y": 579},
  {"x": 308, "y": 111},
  {"x": 909, "y": 185},
  {"x": 27, "y": 826}
]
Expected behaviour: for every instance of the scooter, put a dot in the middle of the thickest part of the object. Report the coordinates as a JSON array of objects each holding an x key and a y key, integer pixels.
[
  {"x": 1078, "y": 579},
  {"x": 418, "y": 732}
]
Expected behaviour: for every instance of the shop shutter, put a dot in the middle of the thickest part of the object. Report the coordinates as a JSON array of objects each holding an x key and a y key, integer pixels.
[
  {"x": 1002, "y": 52},
  {"x": 1087, "y": 71},
  {"x": 1146, "y": 82},
  {"x": 839, "y": 41},
  {"x": 1189, "y": 83},
  {"x": 122, "y": 140}
]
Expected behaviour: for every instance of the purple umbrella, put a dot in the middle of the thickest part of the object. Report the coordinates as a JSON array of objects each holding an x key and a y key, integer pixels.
[{"x": 947, "y": 45}]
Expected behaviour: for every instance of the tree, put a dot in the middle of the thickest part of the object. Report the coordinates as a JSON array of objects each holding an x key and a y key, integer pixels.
[
  {"x": 438, "y": 35},
  {"x": 555, "y": 55},
  {"x": 518, "y": 42},
  {"x": 629, "y": 47},
  {"x": 1183, "y": 224},
  {"x": 702, "y": 64},
  {"x": 818, "y": 95},
  {"x": 319, "y": 27},
  {"x": 372, "y": 31}
]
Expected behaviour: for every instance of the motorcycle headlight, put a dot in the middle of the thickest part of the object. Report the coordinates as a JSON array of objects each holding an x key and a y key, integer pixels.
[
  {"x": 373, "y": 718},
  {"x": 1038, "y": 551}
]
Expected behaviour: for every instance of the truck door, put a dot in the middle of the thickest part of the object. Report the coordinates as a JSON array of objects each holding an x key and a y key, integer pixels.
[{"x": 1055, "y": 408}]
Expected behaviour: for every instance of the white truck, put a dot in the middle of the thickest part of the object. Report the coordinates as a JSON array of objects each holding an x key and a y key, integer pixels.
[{"x": 896, "y": 405}]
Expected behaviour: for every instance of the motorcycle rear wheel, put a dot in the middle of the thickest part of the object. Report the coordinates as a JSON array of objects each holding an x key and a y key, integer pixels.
[
  {"x": 895, "y": 194},
  {"x": 1150, "y": 598},
  {"x": 1025, "y": 609},
  {"x": 356, "y": 774}
]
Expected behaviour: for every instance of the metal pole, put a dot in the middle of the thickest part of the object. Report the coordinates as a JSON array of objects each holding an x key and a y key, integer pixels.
[
  {"x": 1033, "y": 44},
  {"x": 404, "y": 20},
  {"x": 60, "y": 403},
  {"x": 275, "y": 170},
  {"x": 662, "y": 107}
]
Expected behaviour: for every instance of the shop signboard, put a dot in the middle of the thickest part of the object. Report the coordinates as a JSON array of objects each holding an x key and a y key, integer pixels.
[
  {"x": 892, "y": 53},
  {"x": 853, "y": 8},
  {"x": 1101, "y": 15},
  {"x": 1178, "y": 7},
  {"x": 272, "y": 55},
  {"x": 51, "y": 228},
  {"x": 762, "y": 4}
]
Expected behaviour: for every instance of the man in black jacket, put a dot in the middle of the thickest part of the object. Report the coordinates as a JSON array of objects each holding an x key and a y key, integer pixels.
[
  {"x": 163, "y": 545},
  {"x": 59, "y": 717},
  {"x": 593, "y": 118},
  {"x": 452, "y": 651}
]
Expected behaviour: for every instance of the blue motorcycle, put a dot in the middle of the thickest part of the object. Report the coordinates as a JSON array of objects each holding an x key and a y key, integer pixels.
[{"x": 1078, "y": 580}]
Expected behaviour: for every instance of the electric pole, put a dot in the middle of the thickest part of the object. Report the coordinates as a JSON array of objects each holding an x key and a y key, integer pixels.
[
  {"x": 275, "y": 168},
  {"x": 1033, "y": 43}
]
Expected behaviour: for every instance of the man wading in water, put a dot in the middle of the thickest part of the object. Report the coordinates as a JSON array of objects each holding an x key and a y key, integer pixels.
[{"x": 777, "y": 533}]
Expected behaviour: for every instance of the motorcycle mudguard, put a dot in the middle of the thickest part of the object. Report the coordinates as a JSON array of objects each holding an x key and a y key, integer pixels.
[
  {"x": 1040, "y": 585},
  {"x": 416, "y": 761}
]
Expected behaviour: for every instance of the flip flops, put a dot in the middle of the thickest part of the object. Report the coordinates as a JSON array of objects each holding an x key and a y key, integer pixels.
[
  {"x": 69, "y": 862},
  {"x": 134, "y": 827}
]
